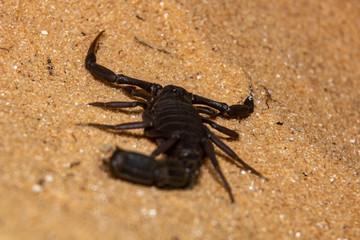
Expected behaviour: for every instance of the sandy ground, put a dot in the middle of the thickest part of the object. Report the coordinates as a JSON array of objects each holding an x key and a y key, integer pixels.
[{"x": 304, "y": 136}]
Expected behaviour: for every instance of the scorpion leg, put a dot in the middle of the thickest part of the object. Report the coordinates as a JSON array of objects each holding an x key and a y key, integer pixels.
[
  {"x": 165, "y": 145},
  {"x": 142, "y": 169},
  {"x": 105, "y": 74},
  {"x": 224, "y": 130},
  {"x": 136, "y": 93},
  {"x": 209, "y": 150},
  {"x": 123, "y": 126},
  {"x": 232, "y": 154},
  {"x": 118, "y": 104},
  {"x": 206, "y": 110},
  {"x": 238, "y": 110},
  {"x": 133, "y": 92}
]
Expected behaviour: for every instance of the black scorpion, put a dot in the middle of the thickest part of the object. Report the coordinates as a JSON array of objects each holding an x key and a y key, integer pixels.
[{"x": 175, "y": 124}]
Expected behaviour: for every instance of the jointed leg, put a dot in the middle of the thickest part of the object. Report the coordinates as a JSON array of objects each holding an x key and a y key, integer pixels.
[
  {"x": 238, "y": 110},
  {"x": 133, "y": 92},
  {"x": 232, "y": 154},
  {"x": 118, "y": 104},
  {"x": 209, "y": 150},
  {"x": 206, "y": 110},
  {"x": 107, "y": 75},
  {"x": 165, "y": 145},
  {"x": 123, "y": 126},
  {"x": 224, "y": 130},
  {"x": 137, "y": 93}
]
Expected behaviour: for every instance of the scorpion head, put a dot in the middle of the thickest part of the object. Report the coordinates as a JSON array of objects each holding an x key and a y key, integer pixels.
[
  {"x": 171, "y": 91},
  {"x": 155, "y": 89}
]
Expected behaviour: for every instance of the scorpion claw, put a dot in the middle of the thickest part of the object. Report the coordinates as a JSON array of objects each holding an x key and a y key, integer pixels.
[{"x": 241, "y": 111}]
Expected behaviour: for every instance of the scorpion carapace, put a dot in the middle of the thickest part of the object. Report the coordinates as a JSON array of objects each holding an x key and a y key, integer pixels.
[{"x": 171, "y": 119}]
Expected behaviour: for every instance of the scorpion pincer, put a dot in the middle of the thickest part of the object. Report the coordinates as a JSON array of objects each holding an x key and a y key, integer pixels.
[{"x": 171, "y": 119}]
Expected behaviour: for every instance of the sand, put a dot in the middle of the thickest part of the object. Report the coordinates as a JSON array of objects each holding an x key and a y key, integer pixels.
[{"x": 301, "y": 59}]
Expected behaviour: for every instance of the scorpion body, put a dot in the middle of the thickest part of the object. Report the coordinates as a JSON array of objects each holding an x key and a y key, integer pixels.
[{"x": 171, "y": 119}]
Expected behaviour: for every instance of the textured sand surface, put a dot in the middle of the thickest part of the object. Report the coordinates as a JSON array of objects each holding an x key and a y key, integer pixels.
[{"x": 304, "y": 137}]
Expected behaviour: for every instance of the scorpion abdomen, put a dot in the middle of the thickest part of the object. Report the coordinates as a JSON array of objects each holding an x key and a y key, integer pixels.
[{"x": 138, "y": 168}]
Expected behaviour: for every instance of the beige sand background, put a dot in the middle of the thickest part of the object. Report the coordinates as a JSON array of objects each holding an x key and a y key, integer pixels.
[{"x": 305, "y": 53}]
